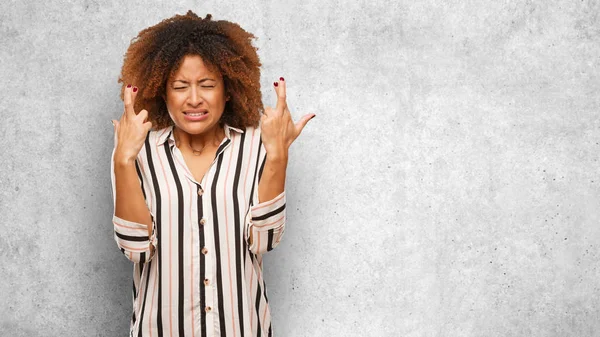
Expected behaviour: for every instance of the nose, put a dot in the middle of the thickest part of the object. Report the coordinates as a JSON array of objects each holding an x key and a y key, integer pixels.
[{"x": 195, "y": 98}]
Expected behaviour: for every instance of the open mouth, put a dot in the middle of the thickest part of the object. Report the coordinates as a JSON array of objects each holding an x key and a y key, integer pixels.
[{"x": 195, "y": 114}]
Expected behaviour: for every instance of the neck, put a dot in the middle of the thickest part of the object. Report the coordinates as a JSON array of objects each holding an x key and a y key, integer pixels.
[{"x": 202, "y": 140}]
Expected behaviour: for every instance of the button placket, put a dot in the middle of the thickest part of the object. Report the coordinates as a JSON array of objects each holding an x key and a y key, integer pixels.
[{"x": 209, "y": 257}]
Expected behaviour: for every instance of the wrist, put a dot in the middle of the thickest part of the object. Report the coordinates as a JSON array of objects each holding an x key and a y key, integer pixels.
[
  {"x": 276, "y": 154},
  {"x": 278, "y": 159},
  {"x": 122, "y": 160}
]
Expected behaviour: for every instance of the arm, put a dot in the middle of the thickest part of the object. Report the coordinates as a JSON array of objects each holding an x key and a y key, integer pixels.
[
  {"x": 133, "y": 223},
  {"x": 134, "y": 230},
  {"x": 266, "y": 218},
  {"x": 129, "y": 199},
  {"x": 272, "y": 181}
]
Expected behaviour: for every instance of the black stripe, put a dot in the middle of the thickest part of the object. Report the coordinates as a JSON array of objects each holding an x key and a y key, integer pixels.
[
  {"x": 180, "y": 230},
  {"x": 158, "y": 248},
  {"x": 254, "y": 185},
  {"x": 265, "y": 291},
  {"x": 245, "y": 249},
  {"x": 217, "y": 245},
  {"x": 134, "y": 290},
  {"x": 270, "y": 241},
  {"x": 148, "y": 267},
  {"x": 131, "y": 238},
  {"x": 264, "y": 284},
  {"x": 202, "y": 267},
  {"x": 262, "y": 166},
  {"x": 142, "y": 257},
  {"x": 270, "y": 214},
  {"x": 257, "y": 305},
  {"x": 238, "y": 236},
  {"x": 221, "y": 147},
  {"x": 139, "y": 173},
  {"x": 244, "y": 242},
  {"x": 255, "y": 172}
]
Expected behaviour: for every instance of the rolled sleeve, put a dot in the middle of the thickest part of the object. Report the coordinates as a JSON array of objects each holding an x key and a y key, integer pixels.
[
  {"x": 132, "y": 238},
  {"x": 266, "y": 222}
]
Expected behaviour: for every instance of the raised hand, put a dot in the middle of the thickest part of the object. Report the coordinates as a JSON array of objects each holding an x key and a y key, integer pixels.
[
  {"x": 277, "y": 127},
  {"x": 131, "y": 130}
]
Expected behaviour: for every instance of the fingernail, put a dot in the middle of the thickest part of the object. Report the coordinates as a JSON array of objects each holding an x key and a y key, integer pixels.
[
  {"x": 112, "y": 122},
  {"x": 275, "y": 83},
  {"x": 281, "y": 79},
  {"x": 129, "y": 86},
  {"x": 134, "y": 89}
]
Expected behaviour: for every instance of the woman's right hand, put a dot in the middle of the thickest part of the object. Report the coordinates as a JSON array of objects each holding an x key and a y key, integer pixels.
[{"x": 131, "y": 130}]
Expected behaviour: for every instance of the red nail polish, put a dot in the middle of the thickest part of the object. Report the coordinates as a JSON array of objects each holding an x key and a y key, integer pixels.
[
  {"x": 275, "y": 83},
  {"x": 281, "y": 79},
  {"x": 134, "y": 89},
  {"x": 129, "y": 86}
]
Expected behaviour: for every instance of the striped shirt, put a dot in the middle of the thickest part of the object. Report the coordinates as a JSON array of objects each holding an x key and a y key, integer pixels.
[{"x": 203, "y": 278}]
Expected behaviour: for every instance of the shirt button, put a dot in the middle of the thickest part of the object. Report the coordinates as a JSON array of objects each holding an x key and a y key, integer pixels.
[
  {"x": 202, "y": 221},
  {"x": 207, "y": 309},
  {"x": 200, "y": 191},
  {"x": 204, "y": 251},
  {"x": 206, "y": 282}
]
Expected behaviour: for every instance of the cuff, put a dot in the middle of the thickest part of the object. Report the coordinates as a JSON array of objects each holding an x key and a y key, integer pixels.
[
  {"x": 132, "y": 237},
  {"x": 269, "y": 214}
]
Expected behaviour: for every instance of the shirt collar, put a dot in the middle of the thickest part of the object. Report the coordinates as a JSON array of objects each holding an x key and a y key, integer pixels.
[{"x": 167, "y": 133}]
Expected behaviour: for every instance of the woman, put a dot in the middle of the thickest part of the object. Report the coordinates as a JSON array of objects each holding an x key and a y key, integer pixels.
[{"x": 198, "y": 175}]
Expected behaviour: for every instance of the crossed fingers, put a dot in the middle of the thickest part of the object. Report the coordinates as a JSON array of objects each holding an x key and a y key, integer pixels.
[
  {"x": 281, "y": 105},
  {"x": 281, "y": 109},
  {"x": 129, "y": 113},
  {"x": 280, "y": 90},
  {"x": 128, "y": 98}
]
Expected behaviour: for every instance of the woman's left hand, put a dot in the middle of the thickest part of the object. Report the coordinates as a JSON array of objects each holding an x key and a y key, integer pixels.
[{"x": 277, "y": 127}]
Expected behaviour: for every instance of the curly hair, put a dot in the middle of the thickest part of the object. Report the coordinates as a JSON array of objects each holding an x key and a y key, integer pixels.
[{"x": 158, "y": 51}]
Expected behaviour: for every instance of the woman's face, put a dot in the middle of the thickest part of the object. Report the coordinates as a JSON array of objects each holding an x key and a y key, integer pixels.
[{"x": 195, "y": 96}]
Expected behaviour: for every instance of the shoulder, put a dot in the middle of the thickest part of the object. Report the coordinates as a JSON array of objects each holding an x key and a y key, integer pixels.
[
  {"x": 249, "y": 137},
  {"x": 154, "y": 138},
  {"x": 159, "y": 135},
  {"x": 248, "y": 133}
]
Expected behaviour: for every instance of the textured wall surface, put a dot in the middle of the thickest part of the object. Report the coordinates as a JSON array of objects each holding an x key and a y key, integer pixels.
[{"x": 448, "y": 186}]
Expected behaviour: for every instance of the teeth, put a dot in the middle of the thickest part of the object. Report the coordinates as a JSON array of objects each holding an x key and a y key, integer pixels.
[{"x": 196, "y": 114}]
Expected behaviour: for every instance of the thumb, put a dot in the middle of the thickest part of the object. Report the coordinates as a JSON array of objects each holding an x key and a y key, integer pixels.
[{"x": 302, "y": 122}]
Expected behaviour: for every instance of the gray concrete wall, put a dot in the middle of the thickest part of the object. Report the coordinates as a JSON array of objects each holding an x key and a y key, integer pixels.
[{"x": 447, "y": 187}]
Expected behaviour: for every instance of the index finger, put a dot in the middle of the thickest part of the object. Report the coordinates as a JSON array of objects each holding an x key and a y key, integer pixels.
[
  {"x": 128, "y": 101},
  {"x": 281, "y": 95}
]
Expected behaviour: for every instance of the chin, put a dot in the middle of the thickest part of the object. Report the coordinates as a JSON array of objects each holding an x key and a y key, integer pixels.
[{"x": 195, "y": 128}]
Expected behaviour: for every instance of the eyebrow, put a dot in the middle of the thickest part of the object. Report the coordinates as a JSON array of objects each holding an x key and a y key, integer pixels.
[{"x": 202, "y": 80}]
